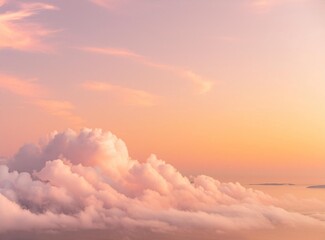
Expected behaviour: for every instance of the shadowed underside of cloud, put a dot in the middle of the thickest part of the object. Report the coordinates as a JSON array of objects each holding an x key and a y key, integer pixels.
[
  {"x": 273, "y": 184},
  {"x": 316, "y": 186},
  {"x": 88, "y": 181}
]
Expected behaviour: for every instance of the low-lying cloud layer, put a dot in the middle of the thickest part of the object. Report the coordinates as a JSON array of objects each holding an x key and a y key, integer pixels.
[{"x": 88, "y": 181}]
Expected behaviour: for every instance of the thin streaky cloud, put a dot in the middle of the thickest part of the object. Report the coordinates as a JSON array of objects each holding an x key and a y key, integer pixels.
[
  {"x": 17, "y": 32},
  {"x": 34, "y": 93},
  {"x": 262, "y": 6},
  {"x": 262, "y": 3},
  {"x": 126, "y": 95},
  {"x": 201, "y": 84},
  {"x": 63, "y": 109},
  {"x": 103, "y": 3},
  {"x": 109, "y": 4},
  {"x": 21, "y": 87},
  {"x": 2, "y": 2},
  {"x": 118, "y": 52}
]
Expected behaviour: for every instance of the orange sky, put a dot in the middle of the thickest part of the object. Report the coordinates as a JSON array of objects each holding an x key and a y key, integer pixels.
[{"x": 232, "y": 89}]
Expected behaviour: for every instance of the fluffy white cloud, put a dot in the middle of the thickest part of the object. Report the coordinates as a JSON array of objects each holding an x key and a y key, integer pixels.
[{"x": 87, "y": 180}]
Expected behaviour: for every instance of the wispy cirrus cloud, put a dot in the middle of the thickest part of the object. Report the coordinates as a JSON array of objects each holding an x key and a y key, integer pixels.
[
  {"x": 20, "y": 87},
  {"x": 262, "y": 3},
  {"x": 200, "y": 83},
  {"x": 117, "y": 52},
  {"x": 2, "y": 2},
  {"x": 109, "y": 4},
  {"x": 262, "y": 6},
  {"x": 128, "y": 96},
  {"x": 17, "y": 32},
  {"x": 33, "y": 92},
  {"x": 63, "y": 109}
]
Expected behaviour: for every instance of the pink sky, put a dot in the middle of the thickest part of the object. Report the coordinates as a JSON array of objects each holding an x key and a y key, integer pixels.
[
  {"x": 233, "y": 89},
  {"x": 141, "y": 119}
]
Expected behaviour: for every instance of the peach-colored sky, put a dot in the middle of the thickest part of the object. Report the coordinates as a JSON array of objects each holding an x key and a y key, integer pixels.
[{"x": 234, "y": 89}]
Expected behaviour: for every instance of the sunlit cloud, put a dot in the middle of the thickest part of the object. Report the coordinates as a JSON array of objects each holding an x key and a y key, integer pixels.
[
  {"x": 63, "y": 109},
  {"x": 20, "y": 33},
  {"x": 263, "y": 3},
  {"x": 262, "y": 6},
  {"x": 200, "y": 83},
  {"x": 109, "y": 4},
  {"x": 2, "y": 2},
  {"x": 34, "y": 93},
  {"x": 87, "y": 180},
  {"x": 26, "y": 88},
  {"x": 117, "y": 52},
  {"x": 128, "y": 96}
]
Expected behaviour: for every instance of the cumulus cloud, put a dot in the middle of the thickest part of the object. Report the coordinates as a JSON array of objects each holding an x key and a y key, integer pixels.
[
  {"x": 87, "y": 180},
  {"x": 16, "y": 32}
]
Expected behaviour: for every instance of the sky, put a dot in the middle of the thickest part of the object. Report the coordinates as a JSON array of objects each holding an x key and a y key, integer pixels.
[
  {"x": 233, "y": 89},
  {"x": 212, "y": 86},
  {"x": 139, "y": 119}
]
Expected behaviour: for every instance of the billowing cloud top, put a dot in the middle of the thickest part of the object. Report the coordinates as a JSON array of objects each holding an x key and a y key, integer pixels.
[{"x": 87, "y": 180}]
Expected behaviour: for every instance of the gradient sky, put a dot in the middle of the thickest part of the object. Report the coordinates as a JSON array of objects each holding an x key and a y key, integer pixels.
[{"x": 233, "y": 89}]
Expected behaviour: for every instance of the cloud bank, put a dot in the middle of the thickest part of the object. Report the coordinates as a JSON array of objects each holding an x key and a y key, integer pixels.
[{"x": 87, "y": 181}]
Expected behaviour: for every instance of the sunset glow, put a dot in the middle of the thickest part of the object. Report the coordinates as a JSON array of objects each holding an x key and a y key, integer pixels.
[{"x": 124, "y": 119}]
